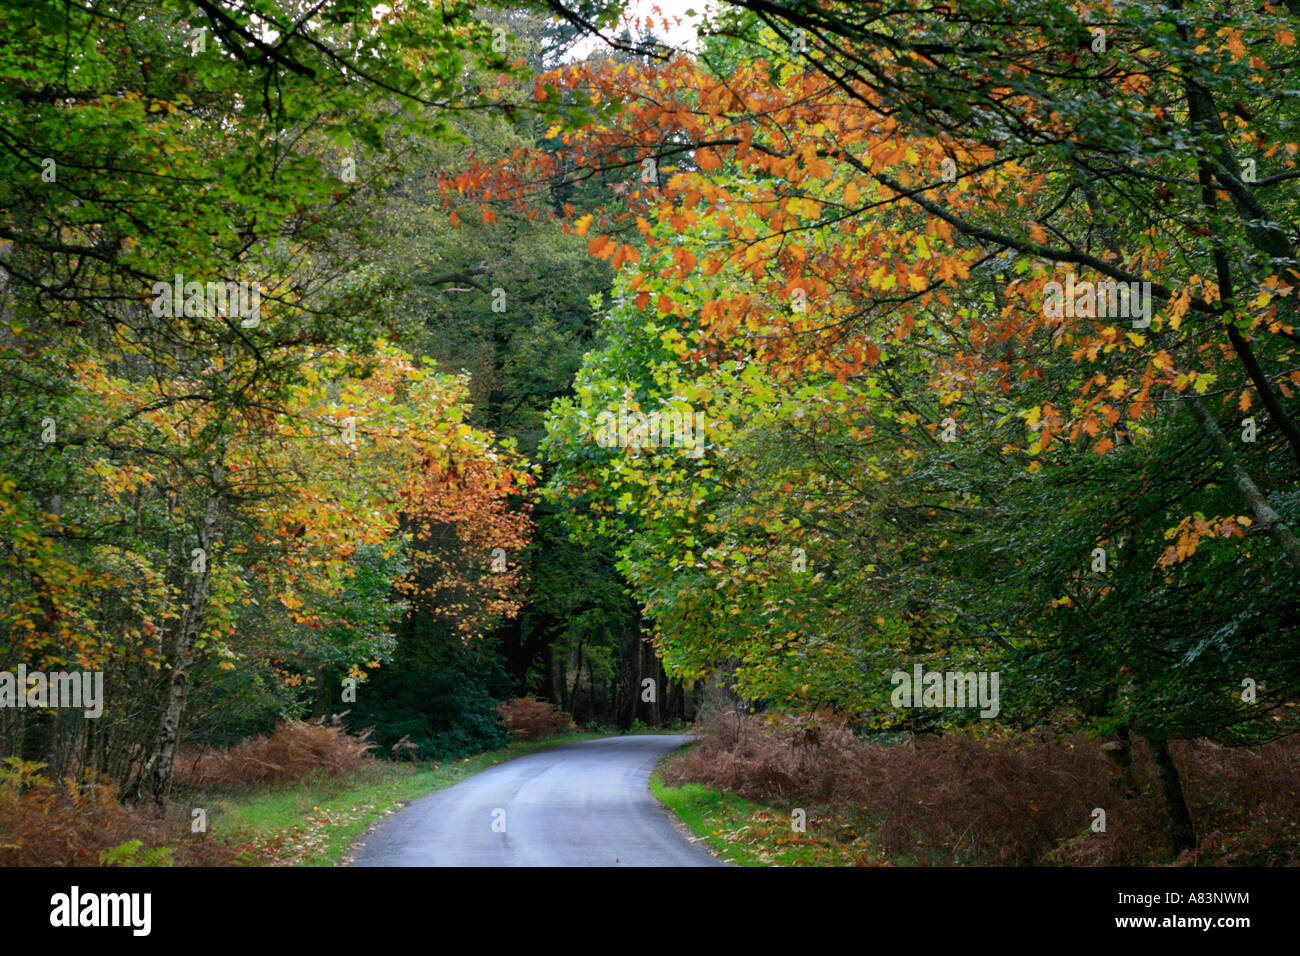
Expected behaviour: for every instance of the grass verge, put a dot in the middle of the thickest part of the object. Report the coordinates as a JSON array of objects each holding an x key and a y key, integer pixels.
[{"x": 748, "y": 833}]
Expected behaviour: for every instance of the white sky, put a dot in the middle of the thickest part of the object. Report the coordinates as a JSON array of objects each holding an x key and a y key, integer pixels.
[{"x": 681, "y": 35}]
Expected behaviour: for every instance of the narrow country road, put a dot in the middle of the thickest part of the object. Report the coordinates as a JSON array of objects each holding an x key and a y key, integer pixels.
[{"x": 584, "y": 804}]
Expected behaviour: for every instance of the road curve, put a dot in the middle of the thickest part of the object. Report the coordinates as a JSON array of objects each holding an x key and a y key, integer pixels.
[{"x": 584, "y": 804}]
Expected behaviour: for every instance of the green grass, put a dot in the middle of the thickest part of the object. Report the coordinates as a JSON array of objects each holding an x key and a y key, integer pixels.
[
  {"x": 316, "y": 823},
  {"x": 748, "y": 833},
  {"x": 709, "y": 814}
]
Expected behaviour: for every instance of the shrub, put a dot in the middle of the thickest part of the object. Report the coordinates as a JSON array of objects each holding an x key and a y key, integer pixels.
[
  {"x": 445, "y": 713},
  {"x": 802, "y": 758},
  {"x": 1015, "y": 799},
  {"x": 46, "y": 822},
  {"x": 531, "y": 719},
  {"x": 128, "y": 854},
  {"x": 293, "y": 751}
]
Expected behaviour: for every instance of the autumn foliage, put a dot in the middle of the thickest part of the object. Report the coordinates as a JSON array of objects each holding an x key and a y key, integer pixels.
[
  {"x": 45, "y": 822},
  {"x": 838, "y": 234},
  {"x": 531, "y": 719},
  {"x": 1014, "y": 799},
  {"x": 293, "y": 752},
  {"x": 850, "y": 259}
]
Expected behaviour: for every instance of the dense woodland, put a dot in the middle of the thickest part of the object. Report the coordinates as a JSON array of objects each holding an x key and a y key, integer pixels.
[{"x": 866, "y": 244}]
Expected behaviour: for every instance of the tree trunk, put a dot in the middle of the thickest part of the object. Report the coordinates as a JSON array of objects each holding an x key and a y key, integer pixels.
[
  {"x": 577, "y": 676},
  {"x": 1181, "y": 831},
  {"x": 1267, "y": 518},
  {"x": 156, "y": 778},
  {"x": 321, "y": 704},
  {"x": 38, "y": 737},
  {"x": 644, "y": 709},
  {"x": 661, "y": 687},
  {"x": 672, "y": 706},
  {"x": 1120, "y": 752},
  {"x": 634, "y": 691},
  {"x": 1261, "y": 229},
  {"x": 555, "y": 676}
]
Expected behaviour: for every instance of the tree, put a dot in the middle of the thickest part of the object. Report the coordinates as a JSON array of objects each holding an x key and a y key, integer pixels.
[
  {"x": 165, "y": 161},
  {"x": 880, "y": 248}
]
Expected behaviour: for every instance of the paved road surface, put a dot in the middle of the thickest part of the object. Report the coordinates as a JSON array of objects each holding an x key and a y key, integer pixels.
[{"x": 584, "y": 804}]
